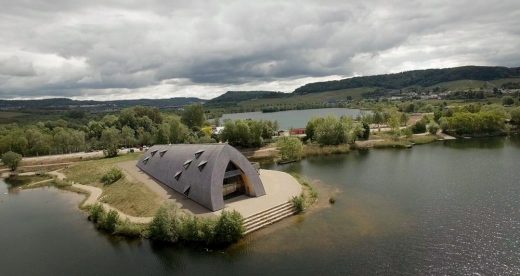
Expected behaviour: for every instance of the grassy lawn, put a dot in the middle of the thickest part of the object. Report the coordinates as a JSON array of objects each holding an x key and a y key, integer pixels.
[
  {"x": 423, "y": 139},
  {"x": 315, "y": 149},
  {"x": 391, "y": 142},
  {"x": 90, "y": 172},
  {"x": 20, "y": 180},
  {"x": 132, "y": 198}
]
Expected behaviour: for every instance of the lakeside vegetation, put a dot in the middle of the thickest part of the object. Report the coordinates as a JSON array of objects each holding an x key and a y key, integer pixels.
[
  {"x": 22, "y": 180},
  {"x": 308, "y": 196},
  {"x": 125, "y": 194},
  {"x": 173, "y": 226}
]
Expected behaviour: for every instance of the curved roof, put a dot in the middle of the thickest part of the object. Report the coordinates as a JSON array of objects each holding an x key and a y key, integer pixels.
[{"x": 197, "y": 170}]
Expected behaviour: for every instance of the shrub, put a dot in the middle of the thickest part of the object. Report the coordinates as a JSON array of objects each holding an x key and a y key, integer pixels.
[
  {"x": 11, "y": 159},
  {"x": 298, "y": 203},
  {"x": 59, "y": 183},
  {"x": 433, "y": 128},
  {"x": 197, "y": 230},
  {"x": 229, "y": 228},
  {"x": 507, "y": 100},
  {"x": 332, "y": 200},
  {"x": 112, "y": 176},
  {"x": 408, "y": 132},
  {"x": 515, "y": 116},
  {"x": 129, "y": 229},
  {"x": 419, "y": 127},
  {"x": 366, "y": 131},
  {"x": 291, "y": 148},
  {"x": 96, "y": 212},
  {"x": 165, "y": 225},
  {"x": 109, "y": 221}
]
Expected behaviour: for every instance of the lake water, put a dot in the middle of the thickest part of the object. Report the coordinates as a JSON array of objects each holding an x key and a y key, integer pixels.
[
  {"x": 445, "y": 208},
  {"x": 294, "y": 118}
]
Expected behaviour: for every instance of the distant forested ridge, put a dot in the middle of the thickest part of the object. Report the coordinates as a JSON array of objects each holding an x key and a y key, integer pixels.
[
  {"x": 422, "y": 78},
  {"x": 64, "y": 103},
  {"x": 238, "y": 96}
]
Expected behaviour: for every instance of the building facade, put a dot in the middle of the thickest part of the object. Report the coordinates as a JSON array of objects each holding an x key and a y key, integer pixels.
[{"x": 208, "y": 174}]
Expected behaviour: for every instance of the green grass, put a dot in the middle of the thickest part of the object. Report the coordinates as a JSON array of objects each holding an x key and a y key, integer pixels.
[
  {"x": 423, "y": 139},
  {"x": 19, "y": 180},
  {"x": 10, "y": 114},
  {"x": 392, "y": 144},
  {"x": 90, "y": 172},
  {"x": 132, "y": 198},
  {"x": 315, "y": 149},
  {"x": 309, "y": 194}
]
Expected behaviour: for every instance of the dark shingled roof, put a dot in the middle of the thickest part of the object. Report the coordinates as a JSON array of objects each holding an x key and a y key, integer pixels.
[{"x": 197, "y": 170}]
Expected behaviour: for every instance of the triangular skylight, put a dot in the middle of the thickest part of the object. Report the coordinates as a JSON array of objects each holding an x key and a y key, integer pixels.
[
  {"x": 162, "y": 152},
  {"x": 202, "y": 164},
  {"x": 153, "y": 152},
  {"x": 187, "y": 163},
  {"x": 199, "y": 153},
  {"x": 146, "y": 160},
  {"x": 178, "y": 175},
  {"x": 187, "y": 191}
]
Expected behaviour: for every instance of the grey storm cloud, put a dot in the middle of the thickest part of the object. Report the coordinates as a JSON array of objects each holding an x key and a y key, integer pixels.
[{"x": 135, "y": 49}]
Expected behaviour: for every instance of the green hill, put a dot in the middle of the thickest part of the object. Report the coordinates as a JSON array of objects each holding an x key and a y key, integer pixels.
[
  {"x": 423, "y": 78},
  {"x": 65, "y": 103},
  {"x": 234, "y": 97}
]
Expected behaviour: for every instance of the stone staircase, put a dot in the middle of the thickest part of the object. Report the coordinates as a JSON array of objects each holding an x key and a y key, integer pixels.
[{"x": 269, "y": 216}]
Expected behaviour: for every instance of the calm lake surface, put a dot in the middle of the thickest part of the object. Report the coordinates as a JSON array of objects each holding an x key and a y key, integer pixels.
[
  {"x": 294, "y": 118},
  {"x": 445, "y": 208}
]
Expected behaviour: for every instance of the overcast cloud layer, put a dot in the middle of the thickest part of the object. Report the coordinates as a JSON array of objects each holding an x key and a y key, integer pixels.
[{"x": 159, "y": 49}]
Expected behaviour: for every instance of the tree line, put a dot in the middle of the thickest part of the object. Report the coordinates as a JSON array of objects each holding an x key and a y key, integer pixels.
[{"x": 135, "y": 126}]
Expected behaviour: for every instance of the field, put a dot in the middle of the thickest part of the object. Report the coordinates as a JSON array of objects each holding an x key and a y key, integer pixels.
[
  {"x": 473, "y": 84},
  {"x": 132, "y": 198},
  {"x": 8, "y": 116}
]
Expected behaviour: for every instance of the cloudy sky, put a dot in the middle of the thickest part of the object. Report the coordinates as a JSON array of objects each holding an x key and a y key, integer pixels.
[{"x": 160, "y": 49}]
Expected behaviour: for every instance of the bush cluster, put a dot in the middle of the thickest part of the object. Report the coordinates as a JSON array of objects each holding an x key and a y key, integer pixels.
[
  {"x": 106, "y": 221},
  {"x": 419, "y": 127},
  {"x": 112, "y": 176},
  {"x": 478, "y": 123},
  {"x": 170, "y": 226},
  {"x": 291, "y": 148},
  {"x": 298, "y": 202},
  {"x": 331, "y": 130}
]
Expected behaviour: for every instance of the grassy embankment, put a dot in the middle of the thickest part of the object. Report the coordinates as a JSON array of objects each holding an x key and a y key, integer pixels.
[
  {"x": 387, "y": 140},
  {"x": 309, "y": 195},
  {"x": 25, "y": 180},
  {"x": 41, "y": 180},
  {"x": 315, "y": 149},
  {"x": 129, "y": 197}
]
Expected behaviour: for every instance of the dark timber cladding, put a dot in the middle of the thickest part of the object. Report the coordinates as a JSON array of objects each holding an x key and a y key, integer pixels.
[{"x": 205, "y": 173}]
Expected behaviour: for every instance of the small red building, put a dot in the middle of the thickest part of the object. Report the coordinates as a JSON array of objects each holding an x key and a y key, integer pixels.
[{"x": 297, "y": 131}]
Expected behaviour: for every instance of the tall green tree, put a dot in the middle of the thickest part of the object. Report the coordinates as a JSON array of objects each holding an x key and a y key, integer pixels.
[
  {"x": 110, "y": 139},
  {"x": 193, "y": 116},
  {"x": 11, "y": 159},
  {"x": 128, "y": 136},
  {"x": 163, "y": 134},
  {"x": 178, "y": 131}
]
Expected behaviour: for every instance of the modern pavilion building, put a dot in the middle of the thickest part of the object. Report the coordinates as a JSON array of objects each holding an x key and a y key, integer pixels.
[{"x": 206, "y": 173}]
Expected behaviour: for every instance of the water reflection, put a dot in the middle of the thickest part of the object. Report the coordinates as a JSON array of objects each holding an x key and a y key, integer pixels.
[{"x": 476, "y": 143}]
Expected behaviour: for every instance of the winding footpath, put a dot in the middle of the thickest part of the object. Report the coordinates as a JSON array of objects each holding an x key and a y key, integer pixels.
[{"x": 93, "y": 196}]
